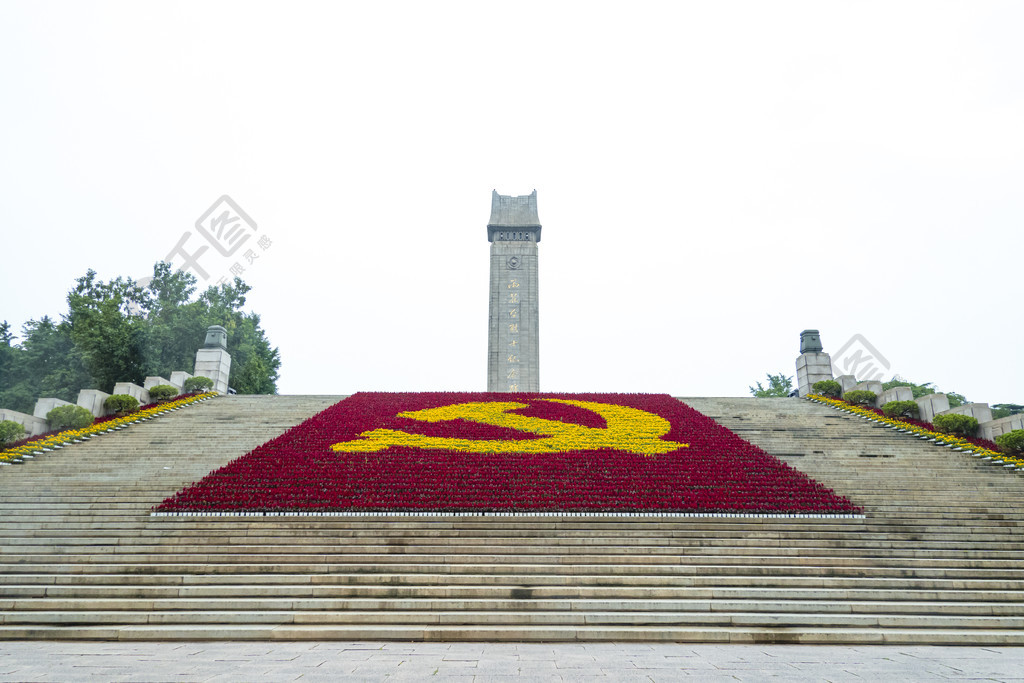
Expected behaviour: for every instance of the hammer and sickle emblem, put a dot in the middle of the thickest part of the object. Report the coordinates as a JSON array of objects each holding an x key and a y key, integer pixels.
[{"x": 628, "y": 429}]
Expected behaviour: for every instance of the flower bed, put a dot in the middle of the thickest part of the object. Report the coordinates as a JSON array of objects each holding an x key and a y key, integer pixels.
[
  {"x": 453, "y": 452},
  {"x": 979, "y": 447},
  {"x": 36, "y": 445}
]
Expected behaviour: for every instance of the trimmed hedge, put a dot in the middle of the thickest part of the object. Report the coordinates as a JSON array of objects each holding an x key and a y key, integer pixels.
[
  {"x": 198, "y": 384},
  {"x": 860, "y": 397},
  {"x": 11, "y": 431},
  {"x": 827, "y": 387},
  {"x": 901, "y": 409},
  {"x": 162, "y": 392},
  {"x": 1011, "y": 442},
  {"x": 121, "y": 403},
  {"x": 69, "y": 417},
  {"x": 958, "y": 425}
]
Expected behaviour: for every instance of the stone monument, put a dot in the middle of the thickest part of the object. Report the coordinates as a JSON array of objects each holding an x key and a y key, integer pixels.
[
  {"x": 513, "y": 358},
  {"x": 213, "y": 360},
  {"x": 814, "y": 364}
]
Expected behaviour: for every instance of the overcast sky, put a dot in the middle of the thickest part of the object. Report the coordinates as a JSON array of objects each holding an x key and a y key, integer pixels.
[{"x": 712, "y": 179}]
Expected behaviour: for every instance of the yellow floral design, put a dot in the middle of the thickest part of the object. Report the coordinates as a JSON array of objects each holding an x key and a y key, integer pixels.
[
  {"x": 73, "y": 435},
  {"x": 629, "y": 429},
  {"x": 948, "y": 439}
]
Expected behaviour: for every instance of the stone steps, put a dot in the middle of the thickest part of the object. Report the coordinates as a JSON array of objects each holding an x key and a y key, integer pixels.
[
  {"x": 464, "y": 616},
  {"x": 30, "y": 607},
  {"x": 936, "y": 559},
  {"x": 823, "y": 591},
  {"x": 716, "y": 576}
]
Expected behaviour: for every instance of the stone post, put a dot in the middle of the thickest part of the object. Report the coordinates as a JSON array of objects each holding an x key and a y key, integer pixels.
[
  {"x": 813, "y": 365},
  {"x": 140, "y": 393},
  {"x": 871, "y": 385},
  {"x": 45, "y": 405},
  {"x": 213, "y": 360},
  {"x": 92, "y": 400},
  {"x": 847, "y": 382},
  {"x": 931, "y": 405},
  {"x": 178, "y": 378}
]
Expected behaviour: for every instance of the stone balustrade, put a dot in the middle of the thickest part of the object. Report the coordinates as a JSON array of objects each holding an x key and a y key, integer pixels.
[
  {"x": 813, "y": 365},
  {"x": 34, "y": 426},
  {"x": 212, "y": 360}
]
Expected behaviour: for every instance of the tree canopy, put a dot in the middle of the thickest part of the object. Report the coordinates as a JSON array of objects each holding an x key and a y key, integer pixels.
[
  {"x": 122, "y": 331},
  {"x": 778, "y": 385}
]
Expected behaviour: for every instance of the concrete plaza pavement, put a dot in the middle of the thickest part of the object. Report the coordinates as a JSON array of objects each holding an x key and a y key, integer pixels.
[{"x": 481, "y": 662}]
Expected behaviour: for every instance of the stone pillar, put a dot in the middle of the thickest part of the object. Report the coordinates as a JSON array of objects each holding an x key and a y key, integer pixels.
[
  {"x": 213, "y": 360},
  {"x": 92, "y": 400},
  {"x": 813, "y": 365},
  {"x": 931, "y": 405},
  {"x": 513, "y": 348}
]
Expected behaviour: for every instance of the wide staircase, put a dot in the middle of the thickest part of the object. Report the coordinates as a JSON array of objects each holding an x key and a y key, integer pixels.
[{"x": 937, "y": 558}]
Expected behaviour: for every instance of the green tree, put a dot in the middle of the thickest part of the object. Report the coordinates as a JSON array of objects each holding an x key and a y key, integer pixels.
[
  {"x": 120, "y": 331},
  {"x": 254, "y": 363},
  {"x": 110, "y": 338},
  {"x": 778, "y": 385},
  {"x": 1006, "y": 410},
  {"x": 46, "y": 364}
]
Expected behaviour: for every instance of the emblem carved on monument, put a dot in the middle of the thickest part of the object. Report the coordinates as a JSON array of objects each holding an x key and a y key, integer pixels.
[{"x": 513, "y": 263}]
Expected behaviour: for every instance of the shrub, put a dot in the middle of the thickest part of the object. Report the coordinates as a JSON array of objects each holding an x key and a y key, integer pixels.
[
  {"x": 860, "y": 397},
  {"x": 162, "y": 392},
  {"x": 11, "y": 431},
  {"x": 827, "y": 387},
  {"x": 1010, "y": 442},
  {"x": 197, "y": 384},
  {"x": 69, "y": 417},
  {"x": 958, "y": 425},
  {"x": 901, "y": 409},
  {"x": 121, "y": 403}
]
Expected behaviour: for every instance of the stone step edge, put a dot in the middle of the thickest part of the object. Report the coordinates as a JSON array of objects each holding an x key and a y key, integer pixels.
[{"x": 707, "y": 634}]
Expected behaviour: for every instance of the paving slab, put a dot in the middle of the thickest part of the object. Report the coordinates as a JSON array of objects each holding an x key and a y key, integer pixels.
[{"x": 480, "y": 662}]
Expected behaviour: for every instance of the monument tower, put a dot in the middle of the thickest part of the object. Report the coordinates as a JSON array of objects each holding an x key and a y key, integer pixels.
[{"x": 513, "y": 358}]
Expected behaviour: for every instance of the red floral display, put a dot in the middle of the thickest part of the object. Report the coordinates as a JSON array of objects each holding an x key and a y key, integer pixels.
[{"x": 710, "y": 470}]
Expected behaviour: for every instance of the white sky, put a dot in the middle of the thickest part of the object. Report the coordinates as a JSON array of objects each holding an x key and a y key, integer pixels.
[{"x": 712, "y": 179}]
